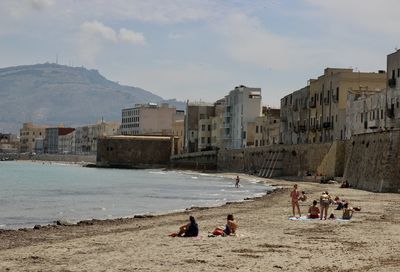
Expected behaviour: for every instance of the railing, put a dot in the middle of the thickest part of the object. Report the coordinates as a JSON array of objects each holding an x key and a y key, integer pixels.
[
  {"x": 312, "y": 103},
  {"x": 373, "y": 124},
  {"x": 327, "y": 125},
  {"x": 390, "y": 112},
  {"x": 334, "y": 99},
  {"x": 326, "y": 100}
]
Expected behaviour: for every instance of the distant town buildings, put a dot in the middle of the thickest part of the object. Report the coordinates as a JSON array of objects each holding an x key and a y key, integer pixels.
[
  {"x": 317, "y": 112},
  {"x": 32, "y": 137},
  {"x": 9, "y": 143}
]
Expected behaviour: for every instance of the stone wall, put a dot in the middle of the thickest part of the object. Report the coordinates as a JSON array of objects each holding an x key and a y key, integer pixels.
[
  {"x": 373, "y": 161},
  {"x": 206, "y": 160},
  {"x": 134, "y": 151},
  {"x": 290, "y": 160},
  {"x": 59, "y": 158}
]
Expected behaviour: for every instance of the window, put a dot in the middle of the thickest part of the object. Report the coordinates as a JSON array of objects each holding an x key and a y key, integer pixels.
[
  {"x": 202, "y": 140},
  {"x": 381, "y": 114},
  {"x": 256, "y": 129},
  {"x": 208, "y": 140},
  {"x": 209, "y": 127},
  {"x": 362, "y": 117},
  {"x": 256, "y": 142},
  {"x": 203, "y": 127}
]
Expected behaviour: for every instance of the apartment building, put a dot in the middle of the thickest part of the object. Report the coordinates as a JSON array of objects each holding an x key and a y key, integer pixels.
[
  {"x": 376, "y": 111},
  {"x": 295, "y": 117},
  {"x": 9, "y": 142},
  {"x": 148, "y": 119},
  {"x": 66, "y": 143},
  {"x": 86, "y": 136},
  {"x": 198, "y": 126},
  {"x": 51, "y": 140},
  {"x": 242, "y": 106},
  {"x": 29, "y": 135}
]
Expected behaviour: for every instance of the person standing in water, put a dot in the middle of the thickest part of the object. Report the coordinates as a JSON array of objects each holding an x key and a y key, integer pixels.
[{"x": 237, "y": 182}]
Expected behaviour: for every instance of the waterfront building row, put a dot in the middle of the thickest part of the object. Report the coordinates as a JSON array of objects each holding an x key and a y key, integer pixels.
[{"x": 62, "y": 140}]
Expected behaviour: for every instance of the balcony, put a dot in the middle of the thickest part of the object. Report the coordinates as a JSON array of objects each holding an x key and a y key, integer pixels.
[
  {"x": 327, "y": 125},
  {"x": 373, "y": 124},
  {"x": 312, "y": 103},
  {"x": 318, "y": 127},
  {"x": 295, "y": 107},
  {"x": 334, "y": 99},
  {"x": 326, "y": 100},
  {"x": 302, "y": 128},
  {"x": 392, "y": 82}
]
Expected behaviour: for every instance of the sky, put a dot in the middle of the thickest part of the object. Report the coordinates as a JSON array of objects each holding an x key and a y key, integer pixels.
[{"x": 202, "y": 49}]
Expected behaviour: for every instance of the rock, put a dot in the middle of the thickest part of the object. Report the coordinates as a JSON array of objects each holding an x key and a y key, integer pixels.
[
  {"x": 37, "y": 227},
  {"x": 63, "y": 223}
]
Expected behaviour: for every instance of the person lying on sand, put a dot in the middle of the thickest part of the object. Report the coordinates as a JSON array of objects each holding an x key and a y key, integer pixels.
[
  {"x": 347, "y": 212},
  {"x": 230, "y": 228},
  {"x": 313, "y": 211},
  {"x": 189, "y": 230}
]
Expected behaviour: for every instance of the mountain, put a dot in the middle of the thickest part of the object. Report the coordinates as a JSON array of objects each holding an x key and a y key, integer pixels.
[{"x": 53, "y": 94}]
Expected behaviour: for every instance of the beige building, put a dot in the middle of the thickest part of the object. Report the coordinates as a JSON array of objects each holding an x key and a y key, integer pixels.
[
  {"x": 86, "y": 137},
  {"x": 148, "y": 119},
  {"x": 329, "y": 94},
  {"x": 376, "y": 111},
  {"x": 265, "y": 129},
  {"x": 29, "y": 135},
  {"x": 178, "y": 130},
  {"x": 9, "y": 142},
  {"x": 196, "y": 126}
]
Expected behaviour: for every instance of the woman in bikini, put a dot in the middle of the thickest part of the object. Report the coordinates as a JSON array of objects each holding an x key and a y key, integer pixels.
[
  {"x": 230, "y": 227},
  {"x": 313, "y": 211},
  {"x": 294, "y": 195},
  {"x": 324, "y": 202}
]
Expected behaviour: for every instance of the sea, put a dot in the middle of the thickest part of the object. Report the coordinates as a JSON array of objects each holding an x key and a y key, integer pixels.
[{"x": 33, "y": 193}]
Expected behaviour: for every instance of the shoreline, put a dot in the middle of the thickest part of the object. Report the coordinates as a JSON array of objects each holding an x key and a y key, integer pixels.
[
  {"x": 226, "y": 175},
  {"x": 266, "y": 239}
]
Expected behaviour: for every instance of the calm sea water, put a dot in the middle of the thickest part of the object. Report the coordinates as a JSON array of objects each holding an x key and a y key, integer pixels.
[{"x": 36, "y": 193}]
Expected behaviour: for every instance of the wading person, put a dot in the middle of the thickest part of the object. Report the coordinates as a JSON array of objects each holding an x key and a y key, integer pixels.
[{"x": 237, "y": 182}]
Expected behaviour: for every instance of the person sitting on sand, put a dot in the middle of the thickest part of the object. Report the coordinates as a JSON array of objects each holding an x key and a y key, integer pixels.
[
  {"x": 295, "y": 195},
  {"x": 189, "y": 230},
  {"x": 313, "y": 211},
  {"x": 339, "y": 203},
  {"x": 230, "y": 228},
  {"x": 345, "y": 184},
  {"x": 303, "y": 196},
  {"x": 324, "y": 202},
  {"x": 347, "y": 212}
]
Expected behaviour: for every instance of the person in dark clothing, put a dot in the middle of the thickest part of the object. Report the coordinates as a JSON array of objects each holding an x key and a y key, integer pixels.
[{"x": 189, "y": 230}]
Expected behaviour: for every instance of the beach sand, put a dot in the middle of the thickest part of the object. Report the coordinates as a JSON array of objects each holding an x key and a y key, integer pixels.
[{"x": 266, "y": 241}]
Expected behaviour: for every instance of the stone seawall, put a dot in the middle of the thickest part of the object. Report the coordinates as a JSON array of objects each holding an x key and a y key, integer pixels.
[
  {"x": 373, "y": 161},
  {"x": 206, "y": 160},
  {"x": 286, "y": 160},
  {"x": 59, "y": 158}
]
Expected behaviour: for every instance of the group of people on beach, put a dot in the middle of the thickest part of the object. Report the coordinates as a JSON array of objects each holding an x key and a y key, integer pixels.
[
  {"x": 321, "y": 212},
  {"x": 191, "y": 229}
]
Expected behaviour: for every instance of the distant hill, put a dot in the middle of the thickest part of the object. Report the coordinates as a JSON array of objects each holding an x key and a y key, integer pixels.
[{"x": 53, "y": 94}]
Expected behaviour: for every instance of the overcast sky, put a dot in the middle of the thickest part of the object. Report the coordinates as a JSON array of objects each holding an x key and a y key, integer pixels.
[{"x": 201, "y": 49}]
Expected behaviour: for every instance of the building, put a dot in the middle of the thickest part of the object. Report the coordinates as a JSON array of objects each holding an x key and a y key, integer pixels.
[
  {"x": 86, "y": 137},
  {"x": 197, "y": 124},
  {"x": 295, "y": 112},
  {"x": 242, "y": 106},
  {"x": 66, "y": 143},
  {"x": 178, "y": 130},
  {"x": 135, "y": 151},
  {"x": 51, "y": 140},
  {"x": 148, "y": 119},
  {"x": 29, "y": 134},
  {"x": 369, "y": 112},
  {"x": 9, "y": 143},
  {"x": 323, "y": 118}
]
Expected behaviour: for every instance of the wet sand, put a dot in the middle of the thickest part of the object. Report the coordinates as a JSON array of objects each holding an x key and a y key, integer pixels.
[{"x": 266, "y": 241}]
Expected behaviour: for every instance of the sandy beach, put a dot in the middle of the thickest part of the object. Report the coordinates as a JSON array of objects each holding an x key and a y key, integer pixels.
[{"x": 266, "y": 241}]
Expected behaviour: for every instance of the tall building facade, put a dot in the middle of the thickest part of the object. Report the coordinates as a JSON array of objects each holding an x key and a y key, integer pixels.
[
  {"x": 242, "y": 106},
  {"x": 148, "y": 119}
]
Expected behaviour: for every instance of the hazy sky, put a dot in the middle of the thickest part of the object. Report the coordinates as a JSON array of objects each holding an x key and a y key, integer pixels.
[{"x": 201, "y": 49}]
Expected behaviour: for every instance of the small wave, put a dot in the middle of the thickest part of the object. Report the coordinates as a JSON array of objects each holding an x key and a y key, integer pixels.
[
  {"x": 195, "y": 177},
  {"x": 157, "y": 173}
]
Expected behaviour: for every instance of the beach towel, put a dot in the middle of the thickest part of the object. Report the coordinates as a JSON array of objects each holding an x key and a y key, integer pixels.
[{"x": 305, "y": 218}]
